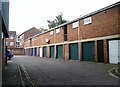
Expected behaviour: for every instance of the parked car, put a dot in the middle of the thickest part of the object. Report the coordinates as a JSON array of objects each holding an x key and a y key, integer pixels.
[{"x": 9, "y": 54}]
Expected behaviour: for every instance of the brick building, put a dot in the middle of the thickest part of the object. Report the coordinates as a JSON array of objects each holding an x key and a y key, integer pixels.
[
  {"x": 93, "y": 37},
  {"x": 11, "y": 41},
  {"x": 29, "y": 33}
]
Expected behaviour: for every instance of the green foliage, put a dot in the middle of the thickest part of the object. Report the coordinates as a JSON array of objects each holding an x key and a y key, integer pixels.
[
  {"x": 57, "y": 21},
  {"x": 42, "y": 29}
]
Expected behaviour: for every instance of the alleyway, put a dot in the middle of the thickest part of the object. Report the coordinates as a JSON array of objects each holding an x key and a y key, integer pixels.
[{"x": 27, "y": 70}]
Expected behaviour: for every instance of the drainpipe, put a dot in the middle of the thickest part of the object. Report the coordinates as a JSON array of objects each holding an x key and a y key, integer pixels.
[
  {"x": 79, "y": 39},
  {"x": 54, "y": 44}
]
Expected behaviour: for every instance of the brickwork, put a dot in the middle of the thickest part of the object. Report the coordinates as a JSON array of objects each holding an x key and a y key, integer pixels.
[
  {"x": 96, "y": 52},
  {"x": 59, "y": 38},
  {"x": 66, "y": 51},
  {"x": 72, "y": 33},
  {"x": 17, "y": 51},
  {"x": 105, "y": 51},
  {"x": 104, "y": 24},
  {"x": 48, "y": 52},
  {"x": 11, "y": 41}
]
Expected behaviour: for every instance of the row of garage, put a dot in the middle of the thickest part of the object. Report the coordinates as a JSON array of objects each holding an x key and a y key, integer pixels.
[{"x": 88, "y": 51}]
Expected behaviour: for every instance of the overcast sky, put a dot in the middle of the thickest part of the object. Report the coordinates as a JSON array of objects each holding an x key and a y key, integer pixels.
[{"x": 25, "y": 14}]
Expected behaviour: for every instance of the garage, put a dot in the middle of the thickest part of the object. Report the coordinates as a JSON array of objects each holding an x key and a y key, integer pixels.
[
  {"x": 73, "y": 51},
  {"x": 33, "y": 51},
  {"x": 44, "y": 51},
  {"x": 59, "y": 52},
  {"x": 51, "y": 51},
  {"x": 41, "y": 52},
  {"x": 88, "y": 51},
  {"x": 27, "y": 52},
  {"x": 113, "y": 51}
]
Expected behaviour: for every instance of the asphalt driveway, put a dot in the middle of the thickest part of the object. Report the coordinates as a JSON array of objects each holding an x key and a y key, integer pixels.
[{"x": 47, "y": 71}]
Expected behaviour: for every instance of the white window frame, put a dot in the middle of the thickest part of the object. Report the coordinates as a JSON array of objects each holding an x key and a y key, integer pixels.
[
  {"x": 57, "y": 30},
  {"x": 87, "y": 20},
  {"x": 51, "y": 32},
  {"x": 11, "y": 37},
  {"x": 11, "y": 43},
  {"x": 75, "y": 24}
]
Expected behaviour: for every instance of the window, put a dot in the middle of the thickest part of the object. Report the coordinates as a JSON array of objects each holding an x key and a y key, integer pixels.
[
  {"x": 11, "y": 36},
  {"x": 87, "y": 20},
  {"x": 51, "y": 32},
  {"x": 11, "y": 43},
  {"x": 75, "y": 24},
  {"x": 57, "y": 30}
]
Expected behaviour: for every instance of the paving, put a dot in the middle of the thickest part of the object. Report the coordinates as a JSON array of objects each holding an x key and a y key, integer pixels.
[{"x": 35, "y": 71}]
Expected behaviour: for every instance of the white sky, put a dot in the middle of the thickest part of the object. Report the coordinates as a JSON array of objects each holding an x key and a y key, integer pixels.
[{"x": 25, "y": 14}]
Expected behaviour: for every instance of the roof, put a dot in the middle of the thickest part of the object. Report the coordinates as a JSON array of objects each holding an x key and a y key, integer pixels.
[{"x": 27, "y": 31}]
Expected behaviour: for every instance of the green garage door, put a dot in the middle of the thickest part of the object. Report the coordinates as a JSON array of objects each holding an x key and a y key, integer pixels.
[
  {"x": 73, "y": 51},
  {"x": 88, "y": 51},
  {"x": 44, "y": 51},
  {"x": 51, "y": 51},
  {"x": 59, "y": 52}
]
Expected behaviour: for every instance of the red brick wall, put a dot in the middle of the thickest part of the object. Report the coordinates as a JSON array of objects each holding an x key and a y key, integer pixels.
[
  {"x": 39, "y": 39},
  {"x": 11, "y": 40},
  {"x": 103, "y": 24},
  {"x": 72, "y": 33},
  {"x": 17, "y": 51},
  {"x": 59, "y": 37},
  {"x": 31, "y": 32},
  {"x": 66, "y": 51},
  {"x": 45, "y": 36},
  {"x": 105, "y": 51},
  {"x": 51, "y": 37},
  {"x": 48, "y": 51},
  {"x": 27, "y": 43}
]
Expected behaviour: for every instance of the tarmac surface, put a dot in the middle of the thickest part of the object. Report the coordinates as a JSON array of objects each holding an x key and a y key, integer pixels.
[{"x": 34, "y": 72}]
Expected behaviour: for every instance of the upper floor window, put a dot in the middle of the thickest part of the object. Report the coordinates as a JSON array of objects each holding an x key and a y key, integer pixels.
[
  {"x": 11, "y": 37},
  {"x": 51, "y": 32},
  {"x": 87, "y": 20},
  {"x": 57, "y": 30},
  {"x": 75, "y": 24},
  {"x": 11, "y": 43}
]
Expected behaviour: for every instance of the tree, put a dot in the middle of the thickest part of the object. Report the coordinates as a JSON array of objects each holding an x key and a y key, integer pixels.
[
  {"x": 42, "y": 29},
  {"x": 57, "y": 21}
]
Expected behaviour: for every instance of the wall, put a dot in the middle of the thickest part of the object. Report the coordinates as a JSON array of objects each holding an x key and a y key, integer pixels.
[
  {"x": 72, "y": 33},
  {"x": 103, "y": 24},
  {"x": 17, "y": 51},
  {"x": 59, "y": 37}
]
